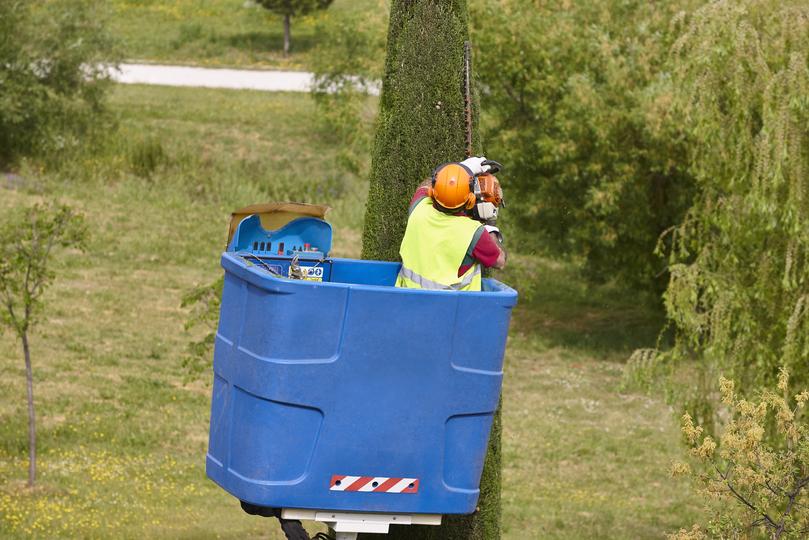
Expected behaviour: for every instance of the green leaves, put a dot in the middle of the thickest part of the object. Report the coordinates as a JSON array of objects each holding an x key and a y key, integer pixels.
[
  {"x": 294, "y": 7},
  {"x": 346, "y": 65},
  {"x": 421, "y": 121},
  {"x": 738, "y": 297},
  {"x": 28, "y": 238},
  {"x": 753, "y": 484},
  {"x": 578, "y": 108},
  {"x": 52, "y": 74},
  {"x": 204, "y": 302}
]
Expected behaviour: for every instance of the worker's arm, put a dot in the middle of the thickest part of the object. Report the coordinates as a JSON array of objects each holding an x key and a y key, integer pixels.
[
  {"x": 420, "y": 193},
  {"x": 497, "y": 237},
  {"x": 488, "y": 251},
  {"x": 501, "y": 259}
]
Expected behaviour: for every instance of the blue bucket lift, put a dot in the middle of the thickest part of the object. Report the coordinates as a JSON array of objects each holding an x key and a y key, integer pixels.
[{"x": 340, "y": 398}]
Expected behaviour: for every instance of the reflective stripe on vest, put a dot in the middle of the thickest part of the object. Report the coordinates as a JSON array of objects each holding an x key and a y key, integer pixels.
[
  {"x": 425, "y": 283},
  {"x": 434, "y": 247}
]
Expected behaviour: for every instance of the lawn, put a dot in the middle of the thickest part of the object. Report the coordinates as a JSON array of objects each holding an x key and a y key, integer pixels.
[
  {"x": 123, "y": 434},
  {"x": 222, "y": 32}
]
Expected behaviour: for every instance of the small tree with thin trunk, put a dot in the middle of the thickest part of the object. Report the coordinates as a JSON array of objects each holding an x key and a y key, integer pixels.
[
  {"x": 292, "y": 8},
  {"x": 27, "y": 240}
]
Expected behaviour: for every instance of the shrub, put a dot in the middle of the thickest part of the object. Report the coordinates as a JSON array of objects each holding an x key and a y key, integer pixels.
[
  {"x": 52, "y": 80},
  {"x": 204, "y": 302},
  {"x": 738, "y": 298},
  {"x": 753, "y": 486},
  {"x": 347, "y": 69},
  {"x": 577, "y": 107},
  {"x": 146, "y": 155},
  {"x": 28, "y": 238}
]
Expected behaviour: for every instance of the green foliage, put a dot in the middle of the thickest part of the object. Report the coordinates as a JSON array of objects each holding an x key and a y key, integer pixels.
[
  {"x": 293, "y": 7},
  {"x": 204, "y": 302},
  {"x": 754, "y": 487},
  {"x": 739, "y": 291},
  {"x": 289, "y": 8},
  {"x": 347, "y": 66},
  {"x": 146, "y": 155},
  {"x": 27, "y": 239},
  {"x": 420, "y": 122},
  {"x": 577, "y": 108},
  {"x": 52, "y": 81}
]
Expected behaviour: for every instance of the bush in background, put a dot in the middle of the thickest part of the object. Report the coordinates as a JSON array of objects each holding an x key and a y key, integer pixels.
[
  {"x": 292, "y": 8},
  {"x": 753, "y": 487},
  {"x": 28, "y": 238},
  {"x": 52, "y": 81},
  {"x": 577, "y": 100},
  {"x": 739, "y": 291},
  {"x": 347, "y": 67}
]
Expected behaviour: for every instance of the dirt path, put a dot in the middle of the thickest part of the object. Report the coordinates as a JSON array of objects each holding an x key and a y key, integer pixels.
[{"x": 241, "y": 79}]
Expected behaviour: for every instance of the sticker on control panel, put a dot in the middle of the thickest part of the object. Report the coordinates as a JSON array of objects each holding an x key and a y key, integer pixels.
[{"x": 310, "y": 273}]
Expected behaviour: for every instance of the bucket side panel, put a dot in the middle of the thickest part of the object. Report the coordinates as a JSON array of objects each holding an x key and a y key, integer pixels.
[
  {"x": 304, "y": 326},
  {"x": 330, "y": 379},
  {"x": 275, "y": 441},
  {"x": 480, "y": 333},
  {"x": 231, "y": 311},
  {"x": 466, "y": 437},
  {"x": 365, "y": 272},
  {"x": 217, "y": 440}
]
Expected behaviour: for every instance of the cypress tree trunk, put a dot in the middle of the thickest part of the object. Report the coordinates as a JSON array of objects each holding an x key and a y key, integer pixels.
[{"x": 421, "y": 125}]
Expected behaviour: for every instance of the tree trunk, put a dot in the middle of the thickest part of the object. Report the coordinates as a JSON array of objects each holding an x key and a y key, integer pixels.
[
  {"x": 421, "y": 125},
  {"x": 32, "y": 432},
  {"x": 287, "y": 34}
]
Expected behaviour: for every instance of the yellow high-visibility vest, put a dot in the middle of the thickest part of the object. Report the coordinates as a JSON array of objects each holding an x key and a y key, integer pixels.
[{"x": 433, "y": 248}]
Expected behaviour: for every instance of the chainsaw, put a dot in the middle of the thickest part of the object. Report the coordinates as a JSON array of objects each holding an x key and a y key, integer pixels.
[{"x": 488, "y": 192}]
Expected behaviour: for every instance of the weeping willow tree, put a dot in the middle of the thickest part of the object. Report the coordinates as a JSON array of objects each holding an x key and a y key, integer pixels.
[
  {"x": 739, "y": 290},
  {"x": 421, "y": 125}
]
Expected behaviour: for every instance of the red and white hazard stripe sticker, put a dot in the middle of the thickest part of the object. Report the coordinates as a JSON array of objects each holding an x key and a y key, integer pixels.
[{"x": 374, "y": 484}]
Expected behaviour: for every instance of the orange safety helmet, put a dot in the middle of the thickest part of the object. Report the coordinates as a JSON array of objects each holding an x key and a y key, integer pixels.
[{"x": 453, "y": 187}]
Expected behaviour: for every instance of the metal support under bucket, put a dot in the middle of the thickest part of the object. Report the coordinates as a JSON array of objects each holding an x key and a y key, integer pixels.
[{"x": 347, "y": 525}]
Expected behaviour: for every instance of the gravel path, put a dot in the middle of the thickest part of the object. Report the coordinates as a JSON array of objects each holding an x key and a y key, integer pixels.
[{"x": 269, "y": 81}]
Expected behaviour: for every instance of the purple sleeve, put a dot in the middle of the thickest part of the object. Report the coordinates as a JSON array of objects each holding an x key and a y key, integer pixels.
[
  {"x": 417, "y": 197},
  {"x": 486, "y": 252}
]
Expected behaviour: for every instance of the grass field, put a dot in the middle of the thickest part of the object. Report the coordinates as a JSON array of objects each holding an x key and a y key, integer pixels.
[
  {"x": 221, "y": 32},
  {"x": 123, "y": 438}
]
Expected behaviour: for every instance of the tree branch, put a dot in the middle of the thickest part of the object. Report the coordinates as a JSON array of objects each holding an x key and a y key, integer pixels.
[
  {"x": 792, "y": 497},
  {"x": 747, "y": 503},
  {"x": 800, "y": 485},
  {"x": 725, "y": 476}
]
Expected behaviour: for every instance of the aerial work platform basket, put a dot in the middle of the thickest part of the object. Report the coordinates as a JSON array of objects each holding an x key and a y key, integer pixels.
[{"x": 339, "y": 392}]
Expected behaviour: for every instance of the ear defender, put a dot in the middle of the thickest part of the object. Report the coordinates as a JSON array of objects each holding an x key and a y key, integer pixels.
[
  {"x": 471, "y": 197},
  {"x": 471, "y": 200},
  {"x": 434, "y": 179}
]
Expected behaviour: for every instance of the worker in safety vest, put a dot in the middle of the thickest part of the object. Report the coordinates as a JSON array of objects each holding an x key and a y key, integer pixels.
[{"x": 451, "y": 230}]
